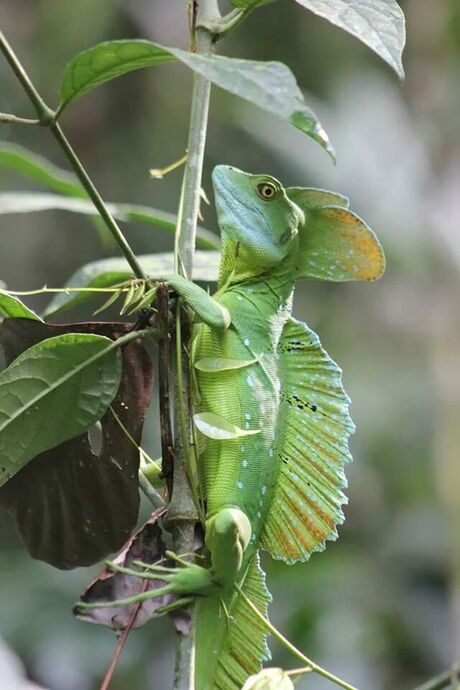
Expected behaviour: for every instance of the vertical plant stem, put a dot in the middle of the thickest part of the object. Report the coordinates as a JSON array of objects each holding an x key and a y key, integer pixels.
[
  {"x": 185, "y": 238},
  {"x": 182, "y": 512},
  {"x": 164, "y": 365}
]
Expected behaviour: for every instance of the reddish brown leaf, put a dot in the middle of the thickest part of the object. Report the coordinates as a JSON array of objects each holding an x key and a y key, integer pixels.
[{"x": 76, "y": 503}]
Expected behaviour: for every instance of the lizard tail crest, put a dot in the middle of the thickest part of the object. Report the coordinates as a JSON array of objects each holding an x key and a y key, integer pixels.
[{"x": 230, "y": 640}]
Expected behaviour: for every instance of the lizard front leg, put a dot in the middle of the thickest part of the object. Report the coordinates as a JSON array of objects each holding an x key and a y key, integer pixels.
[{"x": 205, "y": 307}]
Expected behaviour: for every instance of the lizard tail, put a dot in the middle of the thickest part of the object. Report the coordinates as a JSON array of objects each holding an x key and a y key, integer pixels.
[{"x": 230, "y": 640}]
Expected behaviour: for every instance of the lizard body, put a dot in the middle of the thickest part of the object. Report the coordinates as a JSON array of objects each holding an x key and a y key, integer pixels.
[
  {"x": 280, "y": 487},
  {"x": 271, "y": 415}
]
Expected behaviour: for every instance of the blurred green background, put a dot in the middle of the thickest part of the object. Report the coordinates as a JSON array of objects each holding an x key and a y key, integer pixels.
[{"x": 380, "y": 607}]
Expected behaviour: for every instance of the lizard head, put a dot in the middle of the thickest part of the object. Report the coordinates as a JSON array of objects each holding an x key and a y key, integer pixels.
[{"x": 256, "y": 218}]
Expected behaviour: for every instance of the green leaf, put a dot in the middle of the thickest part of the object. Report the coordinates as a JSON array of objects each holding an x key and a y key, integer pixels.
[
  {"x": 20, "y": 160},
  {"x": 213, "y": 364},
  {"x": 380, "y": 24},
  {"x": 53, "y": 392},
  {"x": 41, "y": 498},
  {"x": 11, "y": 307},
  {"x": 216, "y": 427},
  {"x": 108, "y": 272},
  {"x": 31, "y": 202},
  {"x": 269, "y": 85},
  {"x": 146, "y": 301},
  {"x": 104, "y": 62}
]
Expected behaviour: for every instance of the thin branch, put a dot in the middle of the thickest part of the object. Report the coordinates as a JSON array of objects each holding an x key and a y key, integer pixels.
[
  {"x": 47, "y": 118},
  {"x": 121, "y": 643},
  {"x": 97, "y": 200},
  {"x": 288, "y": 645},
  {"x": 151, "y": 493},
  {"x": 45, "y": 114}
]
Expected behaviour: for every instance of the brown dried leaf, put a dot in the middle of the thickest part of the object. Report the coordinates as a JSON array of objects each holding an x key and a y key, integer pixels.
[{"x": 145, "y": 545}]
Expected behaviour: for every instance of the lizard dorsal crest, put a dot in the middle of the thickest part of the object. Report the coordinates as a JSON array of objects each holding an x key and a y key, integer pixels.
[
  {"x": 334, "y": 243},
  {"x": 308, "y": 498}
]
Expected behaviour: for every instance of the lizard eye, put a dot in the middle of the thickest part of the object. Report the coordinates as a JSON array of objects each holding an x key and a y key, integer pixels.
[{"x": 266, "y": 190}]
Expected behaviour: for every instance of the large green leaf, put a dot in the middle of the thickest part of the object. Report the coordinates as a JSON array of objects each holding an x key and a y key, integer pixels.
[
  {"x": 20, "y": 160},
  {"x": 269, "y": 85},
  {"x": 11, "y": 307},
  {"x": 28, "y": 202},
  {"x": 379, "y": 24},
  {"x": 27, "y": 163},
  {"x": 104, "y": 62},
  {"x": 54, "y": 391},
  {"x": 107, "y": 272}
]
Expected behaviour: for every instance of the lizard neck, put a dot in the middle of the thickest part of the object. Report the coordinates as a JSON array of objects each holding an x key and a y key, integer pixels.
[{"x": 270, "y": 287}]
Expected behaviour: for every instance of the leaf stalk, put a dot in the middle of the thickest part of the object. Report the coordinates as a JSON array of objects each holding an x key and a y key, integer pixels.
[{"x": 10, "y": 119}]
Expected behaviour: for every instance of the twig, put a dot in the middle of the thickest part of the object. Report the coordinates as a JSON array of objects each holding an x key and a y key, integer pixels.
[
  {"x": 151, "y": 493},
  {"x": 46, "y": 117},
  {"x": 121, "y": 642}
]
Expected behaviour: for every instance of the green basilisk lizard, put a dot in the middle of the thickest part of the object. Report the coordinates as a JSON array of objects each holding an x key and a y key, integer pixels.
[{"x": 272, "y": 416}]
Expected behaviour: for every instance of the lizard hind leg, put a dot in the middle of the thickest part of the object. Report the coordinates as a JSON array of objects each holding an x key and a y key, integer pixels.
[{"x": 228, "y": 533}]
